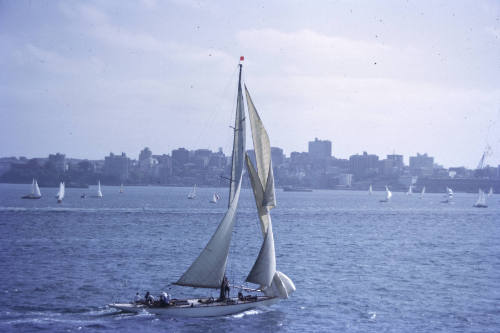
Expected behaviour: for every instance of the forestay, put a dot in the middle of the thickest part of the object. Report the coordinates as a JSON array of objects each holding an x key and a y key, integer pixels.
[{"x": 208, "y": 270}]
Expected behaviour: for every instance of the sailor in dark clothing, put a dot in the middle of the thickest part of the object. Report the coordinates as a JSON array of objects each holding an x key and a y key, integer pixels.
[{"x": 224, "y": 288}]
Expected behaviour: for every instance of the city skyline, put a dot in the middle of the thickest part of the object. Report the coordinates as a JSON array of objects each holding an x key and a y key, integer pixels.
[
  {"x": 406, "y": 158},
  {"x": 89, "y": 78}
]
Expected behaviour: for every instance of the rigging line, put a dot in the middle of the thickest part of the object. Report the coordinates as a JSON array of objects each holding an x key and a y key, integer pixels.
[{"x": 213, "y": 115}]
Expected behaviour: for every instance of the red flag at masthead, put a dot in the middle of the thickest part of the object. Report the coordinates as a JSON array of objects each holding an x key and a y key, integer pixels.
[{"x": 242, "y": 58}]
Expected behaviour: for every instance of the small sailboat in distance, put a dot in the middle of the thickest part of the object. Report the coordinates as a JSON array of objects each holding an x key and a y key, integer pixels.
[
  {"x": 490, "y": 193},
  {"x": 370, "y": 190},
  {"x": 121, "y": 188},
  {"x": 60, "y": 194},
  {"x": 192, "y": 194},
  {"x": 35, "y": 191},
  {"x": 422, "y": 193},
  {"x": 215, "y": 198},
  {"x": 481, "y": 200},
  {"x": 208, "y": 270},
  {"x": 388, "y": 195},
  {"x": 99, "y": 192},
  {"x": 410, "y": 190},
  {"x": 448, "y": 195}
]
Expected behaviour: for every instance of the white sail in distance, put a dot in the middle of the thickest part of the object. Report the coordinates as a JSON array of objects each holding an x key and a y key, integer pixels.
[
  {"x": 60, "y": 194},
  {"x": 99, "y": 192},
  {"x": 37, "y": 190},
  {"x": 388, "y": 194},
  {"x": 481, "y": 198},
  {"x": 208, "y": 270}
]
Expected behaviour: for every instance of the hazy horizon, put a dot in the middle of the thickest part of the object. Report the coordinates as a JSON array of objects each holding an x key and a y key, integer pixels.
[{"x": 89, "y": 78}]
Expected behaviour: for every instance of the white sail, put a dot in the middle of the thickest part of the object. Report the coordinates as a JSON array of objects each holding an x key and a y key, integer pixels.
[
  {"x": 99, "y": 192},
  {"x": 59, "y": 191},
  {"x": 264, "y": 268},
  {"x": 60, "y": 194},
  {"x": 481, "y": 199},
  {"x": 263, "y": 272},
  {"x": 121, "y": 188},
  {"x": 192, "y": 194},
  {"x": 388, "y": 194},
  {"x": 215, "y": 198},
  {"x": 449, "y": 191},
  {"x": 33, "y": 186},
  {"x": 422, "y": 193},
  {"x": 490, "y": 193},
  {"x": 410, "y": 190},
  {"x": 370, "y": 190},
  {"x": 262, "y": 149},
  {"x": 37, "y": 190},
  {"x": 208, "y": 270}
]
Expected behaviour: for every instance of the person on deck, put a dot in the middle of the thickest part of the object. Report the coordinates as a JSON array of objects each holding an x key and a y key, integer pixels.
[
  {"x": 138, "y": 299},
  {"x": 224, "y": 288},
  {"x": 149, "y": 299}
]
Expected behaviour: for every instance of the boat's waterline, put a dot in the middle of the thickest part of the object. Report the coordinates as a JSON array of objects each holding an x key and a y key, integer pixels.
[{"x": 194, "y": 308}]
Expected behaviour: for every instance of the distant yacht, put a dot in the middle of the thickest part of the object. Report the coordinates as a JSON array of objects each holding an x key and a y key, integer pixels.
[
  {"x": 215, "y": 198},
  {"x": 35, "y": 191},
  {"x": 60, "y": 194},
  {"x": 370, "y": 190},
  {"x": 388, "y": 195},
  {"x": 296, "y": 189},
  {"x": 422, "y": 193},
  {"x": 121, "y": 188},
  {"x": 490, "y": 193},
  {"x": 410, "y": 190},
  {"x": 99, "y": 192},
  {"x": 448, "y": 195},
  {"x": 192, "y": 194},
  {"x": 481, "y": 200}
]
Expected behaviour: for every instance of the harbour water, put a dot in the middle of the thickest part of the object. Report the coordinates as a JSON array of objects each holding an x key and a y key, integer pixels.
[{"x": 411, "y": 265}]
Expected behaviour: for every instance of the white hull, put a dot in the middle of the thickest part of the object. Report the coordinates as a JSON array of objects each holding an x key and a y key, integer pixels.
[{"x": 197, "y": 309}]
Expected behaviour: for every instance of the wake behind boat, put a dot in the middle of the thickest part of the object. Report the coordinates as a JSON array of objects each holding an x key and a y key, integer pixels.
[{"x": 209, "y": 268}]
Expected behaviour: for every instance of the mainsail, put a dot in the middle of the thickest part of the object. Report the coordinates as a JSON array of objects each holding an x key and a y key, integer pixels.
[
  {"x": 388, "y": 194},
  {"x": 60, "y": 194},
  {"x": 37, "y": 190},
  {"x": 481, "y": 199},
  {"x": 208, "y": 270},
  {"x": 99, "y": 193}
]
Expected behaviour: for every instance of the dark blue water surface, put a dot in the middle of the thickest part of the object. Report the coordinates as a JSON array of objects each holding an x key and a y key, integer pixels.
[{"x": 412, "y": 265}]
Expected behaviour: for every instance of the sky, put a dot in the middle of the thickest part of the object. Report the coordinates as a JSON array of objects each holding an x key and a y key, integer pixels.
[{"x": 87, "y": 78}]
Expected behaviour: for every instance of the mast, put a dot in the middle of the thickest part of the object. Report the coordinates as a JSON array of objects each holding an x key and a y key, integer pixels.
[
  {"x": 236, "y": 161},
  {"x": 208, "y": 270}
]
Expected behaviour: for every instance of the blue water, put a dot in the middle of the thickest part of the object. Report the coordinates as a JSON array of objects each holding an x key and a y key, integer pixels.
[{"x": 412, "y": 265}]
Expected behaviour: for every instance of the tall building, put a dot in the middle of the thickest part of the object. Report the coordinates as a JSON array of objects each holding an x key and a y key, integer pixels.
[
  {"x": 397, "y": 160},
  {"x": 363, "y": 165},
  {"x": 320, "y": 149},
  {"x": 421, "y": 165},
  {"x": 421, "y": 161},
  {"x": 117, "y": 166},
  {"x": 180, "y": 156},
  {"x": 277, "y": 156}
]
